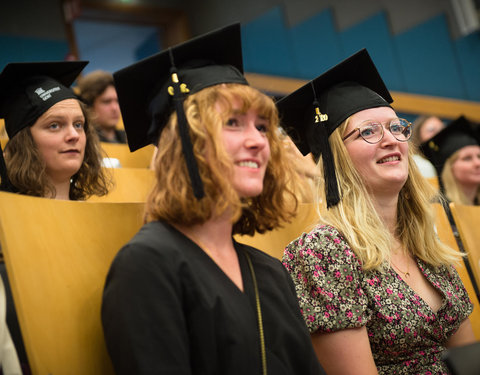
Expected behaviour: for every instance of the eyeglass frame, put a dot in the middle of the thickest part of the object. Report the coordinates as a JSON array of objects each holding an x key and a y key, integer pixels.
[{"x": 409, "y": 125}]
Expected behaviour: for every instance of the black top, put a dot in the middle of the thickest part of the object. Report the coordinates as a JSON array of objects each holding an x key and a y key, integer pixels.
[
  {"x": 169, "y": 309},
  {"x": 120, "y": 137}
]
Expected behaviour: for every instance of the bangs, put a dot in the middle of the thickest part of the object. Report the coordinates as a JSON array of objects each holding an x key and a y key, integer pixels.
[{"x": 248, "y": 97}]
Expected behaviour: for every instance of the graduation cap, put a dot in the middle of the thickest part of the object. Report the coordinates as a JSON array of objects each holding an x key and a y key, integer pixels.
[
  {"x": 28, "y": 90},
  {"x": 457, "y": 134},
  {"x": 151, "y": 89},
  {"x": 311, "y": 114}
]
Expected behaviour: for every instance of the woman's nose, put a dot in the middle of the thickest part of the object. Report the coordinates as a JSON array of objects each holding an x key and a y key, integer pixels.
[
  {"x": 254, "y": 137},
  {"x": 71, "y": 133}
]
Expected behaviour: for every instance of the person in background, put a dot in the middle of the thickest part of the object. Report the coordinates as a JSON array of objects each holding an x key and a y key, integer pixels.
[
  {"x": 183, "y": 297},
  {"x": 376, "y": 287},
  {"x": 52, "y": 151},
  {"x": 455, "y": 153},
  {"x": 97, "y": 89},
  {"x": 425, "y": 127},
  {"x": 9, "y": 362}
]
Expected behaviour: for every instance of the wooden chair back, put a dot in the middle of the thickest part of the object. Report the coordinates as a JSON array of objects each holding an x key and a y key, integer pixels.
[
  {"x": 130, "y": 185},
  {"x": 467, "y": 219},
  {"x": 57, "y": 255},
  {"x": 446, "y": 235},
  {"x": 434, "y": 182},
  {"x": 275, "y": 241},
  {"x": 138, "y": 159}
]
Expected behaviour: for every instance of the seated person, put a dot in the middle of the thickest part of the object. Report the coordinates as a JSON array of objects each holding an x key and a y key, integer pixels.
[
  {"x": 377, "y": 288},
  {"x": 97, "y": 89},
  {"x": 425, "y": 127},
  {"x": 52, "y": 150},
  {"x": 455, "y": 153},
  {"x": 183, "y": 297}
]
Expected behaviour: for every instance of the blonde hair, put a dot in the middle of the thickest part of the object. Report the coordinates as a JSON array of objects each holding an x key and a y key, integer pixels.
[
  {"x": 172, "y": 198},
  {"x": 452, "y": 189},
  {"x": 358, "y": 221}
]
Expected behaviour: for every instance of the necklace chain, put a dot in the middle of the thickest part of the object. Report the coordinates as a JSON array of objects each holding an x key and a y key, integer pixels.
[{"x": 406, "y": 273}]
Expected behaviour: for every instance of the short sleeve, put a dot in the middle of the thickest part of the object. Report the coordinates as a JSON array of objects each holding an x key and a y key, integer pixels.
[
  {"x": 458, "y": 296},
  {"x": 328, "y": 280}
]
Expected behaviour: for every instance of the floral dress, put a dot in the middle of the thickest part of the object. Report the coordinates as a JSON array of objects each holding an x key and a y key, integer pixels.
[{"x": 335, "y": 293}]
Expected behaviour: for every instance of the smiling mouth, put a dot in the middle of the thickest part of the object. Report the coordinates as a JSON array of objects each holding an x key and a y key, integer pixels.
[
  {"x": 388, "y": 159},
  {"x": 249, "y": 164}
]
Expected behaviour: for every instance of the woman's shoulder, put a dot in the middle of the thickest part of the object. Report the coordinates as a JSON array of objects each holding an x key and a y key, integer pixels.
[
  {"x": 324, "y": 242},
  {"x": 258, "y": 256},
  {"x": 319, "y": 236},
  {"x": 154, "y": 240}
]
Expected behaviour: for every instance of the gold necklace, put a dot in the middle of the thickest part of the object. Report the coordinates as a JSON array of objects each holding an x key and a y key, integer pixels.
[{"x": 406, "y": 273}]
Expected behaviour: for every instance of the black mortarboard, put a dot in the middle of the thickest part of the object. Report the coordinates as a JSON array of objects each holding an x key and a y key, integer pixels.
[
  {"x": 310, "y": 114},
  {"x": 28, "y": 90},
  {"x": 457, "y": 134},
  {"x": 148, "y": 94}
]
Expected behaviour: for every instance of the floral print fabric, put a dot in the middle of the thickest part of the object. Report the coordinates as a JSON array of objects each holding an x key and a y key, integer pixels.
[{"x": 335, "y": 293}]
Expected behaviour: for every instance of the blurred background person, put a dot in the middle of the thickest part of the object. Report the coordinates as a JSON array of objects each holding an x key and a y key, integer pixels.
[
  {"x": 425, "y": 127},
  {"x": 52, "y": 150},
  {"x": 97, "y": 89},
  {"x": 455, "y": 153}
]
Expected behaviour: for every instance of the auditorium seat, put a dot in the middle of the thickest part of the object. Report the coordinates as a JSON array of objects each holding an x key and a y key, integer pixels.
[
  {"x": 130, "y": 185},
  {"x": 138, "y": 159},
  {"x": 57, "y": 255},
  {"x": 445, "y": 233},
  {"x": 274, "y": 242}
]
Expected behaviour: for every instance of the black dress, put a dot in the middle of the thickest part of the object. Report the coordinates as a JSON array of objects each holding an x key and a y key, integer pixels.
[{"x": 169, "y": 309}]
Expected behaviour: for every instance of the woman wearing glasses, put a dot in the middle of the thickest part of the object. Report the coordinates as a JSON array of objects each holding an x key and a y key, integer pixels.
[{"x": 376, "y": 287}]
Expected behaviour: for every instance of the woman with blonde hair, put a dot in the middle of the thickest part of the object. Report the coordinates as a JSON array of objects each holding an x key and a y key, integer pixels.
[
  {"x": 376, "y": 287},
  {"x": 455, "y": 153},
  {"x": 425, "y": 127},
  {"x": 183, "y": 297}
]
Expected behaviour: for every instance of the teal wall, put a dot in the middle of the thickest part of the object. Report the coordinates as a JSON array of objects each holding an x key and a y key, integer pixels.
[
  {"x": 20, "y": 48},
  {"x": 422, "y": 60}
]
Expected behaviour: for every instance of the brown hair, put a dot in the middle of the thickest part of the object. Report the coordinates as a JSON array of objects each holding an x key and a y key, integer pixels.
[
  {"x": 93, "y": 85},
  {"x": 172, "y": 198},
  {"x": 26, "y": 169}
]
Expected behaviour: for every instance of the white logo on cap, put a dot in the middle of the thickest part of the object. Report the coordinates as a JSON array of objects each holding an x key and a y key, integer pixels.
[{"x": 45, "y": 95}]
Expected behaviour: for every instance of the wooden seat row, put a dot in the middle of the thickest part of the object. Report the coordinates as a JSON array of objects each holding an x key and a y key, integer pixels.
[{"x": 57, "y": 255}]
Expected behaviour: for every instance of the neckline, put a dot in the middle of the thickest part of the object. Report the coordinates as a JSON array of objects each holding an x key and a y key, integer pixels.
[
  {"x": 242, "y": 264},
  {"x": 427, "y": 274}
]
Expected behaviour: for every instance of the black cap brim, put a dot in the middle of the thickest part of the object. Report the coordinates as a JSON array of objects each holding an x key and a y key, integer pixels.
[
  {"x": 137, "y": 85},
  {"x": 297, "y": 111},
  {"x": 457, "y": 134}
]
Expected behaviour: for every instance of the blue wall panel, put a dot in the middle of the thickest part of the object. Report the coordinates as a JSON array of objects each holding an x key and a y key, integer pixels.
[
  {"x": 23, "y": 49},
  {"x": 315, "y": 45},
  {"x": 468, "y": 54},
  {"x": 374, "y": 35},
  {"x": 428, "y": 60},
  {"x": 266, "y": 47}
]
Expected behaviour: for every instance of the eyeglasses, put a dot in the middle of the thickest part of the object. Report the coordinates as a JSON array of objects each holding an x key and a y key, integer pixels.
[{"x": 372, "y": 132}]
